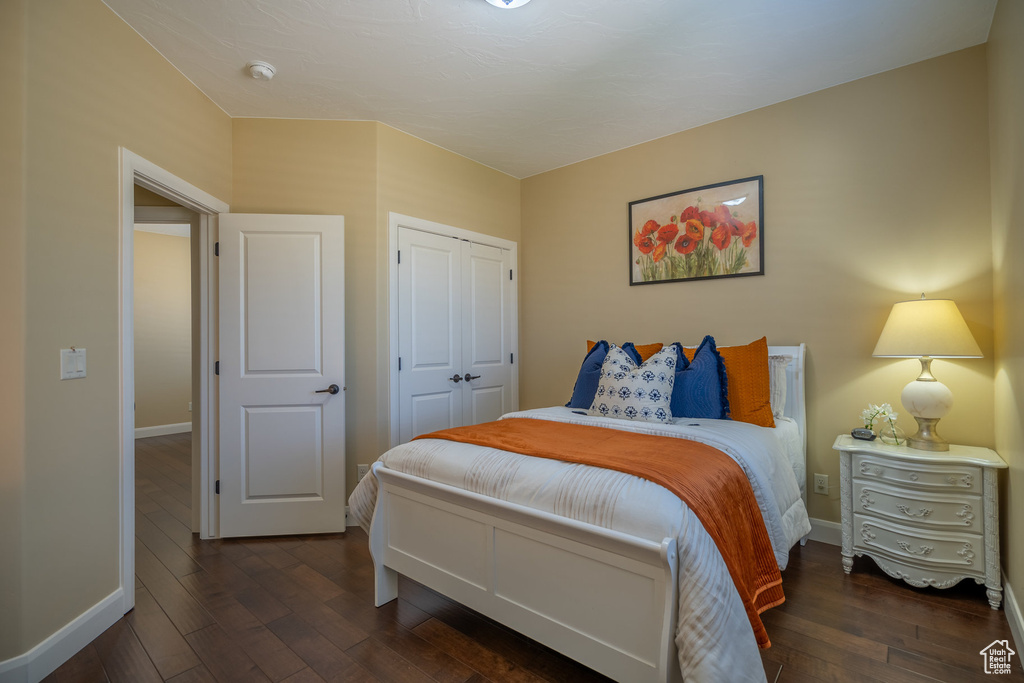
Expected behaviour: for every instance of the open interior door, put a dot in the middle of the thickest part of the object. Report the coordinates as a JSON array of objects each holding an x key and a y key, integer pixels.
[{"x": 282, "y": 379}]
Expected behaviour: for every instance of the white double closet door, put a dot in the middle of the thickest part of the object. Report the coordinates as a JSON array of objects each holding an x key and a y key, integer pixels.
[{"x": 456, "y": 326}]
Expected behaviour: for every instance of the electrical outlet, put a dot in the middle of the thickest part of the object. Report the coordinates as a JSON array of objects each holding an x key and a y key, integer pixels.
[
  {"x": 821, "y": 484},
  {"x": 361, "y": 471}
]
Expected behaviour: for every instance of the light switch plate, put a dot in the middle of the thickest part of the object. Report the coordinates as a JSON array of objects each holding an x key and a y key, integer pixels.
[{"x": 72, "y": 363}]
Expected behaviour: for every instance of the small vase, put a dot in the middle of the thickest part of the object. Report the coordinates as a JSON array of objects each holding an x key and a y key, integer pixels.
[{"x": 892, "y": 435}]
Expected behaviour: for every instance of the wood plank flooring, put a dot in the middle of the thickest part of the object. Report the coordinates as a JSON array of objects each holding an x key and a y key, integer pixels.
[{"x": 301, "y": 609}]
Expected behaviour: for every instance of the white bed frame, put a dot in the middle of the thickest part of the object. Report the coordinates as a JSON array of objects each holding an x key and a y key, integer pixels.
[{"x": 603, "y": 598}]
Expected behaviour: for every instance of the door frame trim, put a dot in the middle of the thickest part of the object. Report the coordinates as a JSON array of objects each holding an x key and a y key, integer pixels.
[
  {"x": 135, "y": 170},
  {"x": 397, "y": 220}
]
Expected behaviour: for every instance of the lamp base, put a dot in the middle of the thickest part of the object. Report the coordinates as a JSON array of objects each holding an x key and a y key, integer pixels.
[
  {"x": 927, "y": 400},
  {"x": 927, "y": 439}
]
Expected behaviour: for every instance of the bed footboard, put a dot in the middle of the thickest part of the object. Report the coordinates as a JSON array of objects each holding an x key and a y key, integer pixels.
[{"x": 601, "y": 597}]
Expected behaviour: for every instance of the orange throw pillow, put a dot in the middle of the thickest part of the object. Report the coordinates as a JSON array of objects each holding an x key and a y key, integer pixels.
[
  {"x": 746, "y": 371},
  {"x": 645, "y": 350}
]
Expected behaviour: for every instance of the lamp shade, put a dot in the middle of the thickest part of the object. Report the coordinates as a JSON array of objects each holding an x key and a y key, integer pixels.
[{"x": 926, "y": 327}]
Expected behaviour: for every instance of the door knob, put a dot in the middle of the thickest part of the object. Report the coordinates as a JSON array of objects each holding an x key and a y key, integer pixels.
[
  {"x": 469, "y": 377},
  {"x": 333, "y": 389},
  {"x": 455, "y": 378}
]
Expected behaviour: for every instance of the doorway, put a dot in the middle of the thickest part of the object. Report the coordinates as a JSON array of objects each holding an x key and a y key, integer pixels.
[
  {"x": 138, "y": 171},
  {"x": 166, "y": 322}
]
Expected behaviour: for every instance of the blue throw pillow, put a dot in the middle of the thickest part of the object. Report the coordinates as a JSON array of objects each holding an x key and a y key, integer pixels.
[
  {"x": 631, "y": 351},
  {"x": 700, "y": 389},
  {"x": 589, "y": 377}
]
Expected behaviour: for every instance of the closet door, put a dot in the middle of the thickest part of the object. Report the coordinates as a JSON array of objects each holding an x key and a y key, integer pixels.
[
  {"x": 486, "y": 333},
  {"x": 430, "y": 332},
  {"x": 455, "y": 329}
]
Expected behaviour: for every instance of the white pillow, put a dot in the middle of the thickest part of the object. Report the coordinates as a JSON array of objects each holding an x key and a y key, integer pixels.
[
  {"x": 631, "y": 393},
  {"x": 777, "y": 384}
]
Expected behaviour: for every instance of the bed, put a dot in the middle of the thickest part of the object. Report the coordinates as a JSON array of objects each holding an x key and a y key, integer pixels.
[{"x": 608, "y": 569}]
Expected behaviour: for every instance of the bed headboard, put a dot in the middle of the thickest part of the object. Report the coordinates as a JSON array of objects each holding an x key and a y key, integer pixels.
[{"x": 796, "y": 405}]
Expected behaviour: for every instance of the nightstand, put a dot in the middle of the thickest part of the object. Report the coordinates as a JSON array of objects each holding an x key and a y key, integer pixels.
[{"x": 931, "y": 519}]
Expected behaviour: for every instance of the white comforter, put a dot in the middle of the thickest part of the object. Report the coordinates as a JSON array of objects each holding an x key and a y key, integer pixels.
[{"x": 713, "y": 636}]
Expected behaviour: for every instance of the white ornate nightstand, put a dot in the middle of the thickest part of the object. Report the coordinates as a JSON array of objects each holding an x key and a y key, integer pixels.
[{"x": 931, "y": 519}]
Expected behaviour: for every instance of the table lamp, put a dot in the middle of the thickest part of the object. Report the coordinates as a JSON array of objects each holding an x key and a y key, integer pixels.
[{"x": 926, "y": 329}]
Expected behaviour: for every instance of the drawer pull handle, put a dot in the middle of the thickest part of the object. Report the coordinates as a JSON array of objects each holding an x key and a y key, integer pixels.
[
  {"x": 964, "y": 480},
  {"x": 966, "y": 553},
  {"x": 865, "y": 468},
  {"x": 924, "y": 512},
  {"x": 925, "y": 549},
  {"x": 967, "y": 514}
]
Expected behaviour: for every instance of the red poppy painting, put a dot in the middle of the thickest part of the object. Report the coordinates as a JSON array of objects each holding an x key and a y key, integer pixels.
[{"x": 706, "y": 232}]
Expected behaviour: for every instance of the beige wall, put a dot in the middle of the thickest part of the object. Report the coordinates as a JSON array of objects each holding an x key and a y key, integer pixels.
[
  {"x": 875, "y": 191},
  {"x": 75, "y": 120},
  {"x": 1006, "y": 114},
  {"x": 325, "y": 167},
  {"x": 425, "y": 181},
  {"x": 363, "y": 170},
  {"x": 163, "y": 329},
  {"x": 144, "y": 197},
  {"x": 13, "y": 21},
  {"x": 422, "y": 180}
]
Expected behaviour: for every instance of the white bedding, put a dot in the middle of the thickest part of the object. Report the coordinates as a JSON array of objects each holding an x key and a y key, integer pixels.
[{"x": 713, "y": 634}]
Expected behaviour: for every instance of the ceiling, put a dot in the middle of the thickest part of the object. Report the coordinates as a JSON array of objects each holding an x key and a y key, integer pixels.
[{"x": 552, "y": 83}]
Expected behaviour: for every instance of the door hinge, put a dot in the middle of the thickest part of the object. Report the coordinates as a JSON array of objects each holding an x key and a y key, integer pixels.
[
  {"x": 216, "y": 487},
  {"x": 399, "y": 363},
  {"x": 511, "y": 358},
  {"x": 509, "y": 273},
  {"x": 216, "y": 368},
  {"x": 399, "y": 256},
  {"x": 216, "y": 248}
]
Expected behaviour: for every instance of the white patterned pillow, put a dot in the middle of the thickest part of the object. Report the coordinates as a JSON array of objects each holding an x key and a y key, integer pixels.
[{"x": 629, "y": 392}]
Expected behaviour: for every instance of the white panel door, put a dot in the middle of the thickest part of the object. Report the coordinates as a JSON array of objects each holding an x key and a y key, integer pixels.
[
  {"x": 486, "y": 333},
  {"x": 455, "y": 326},
  {"x": 430, "y": 332},
  {"x": 282, "y": 344}
]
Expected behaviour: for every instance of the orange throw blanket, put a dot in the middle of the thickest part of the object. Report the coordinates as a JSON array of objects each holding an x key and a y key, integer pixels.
[{"x": 707, "y": 480}]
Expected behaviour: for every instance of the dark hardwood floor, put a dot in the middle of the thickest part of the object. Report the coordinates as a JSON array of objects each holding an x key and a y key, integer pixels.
[{"x": 300, "y": 609}]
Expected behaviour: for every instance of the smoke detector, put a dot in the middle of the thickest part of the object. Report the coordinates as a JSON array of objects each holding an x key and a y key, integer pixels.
[
  {"x": 508, "y": 4},
  {"x": 261, "y": 71}
]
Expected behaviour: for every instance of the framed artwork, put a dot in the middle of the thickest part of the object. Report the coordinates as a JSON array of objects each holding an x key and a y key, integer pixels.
[{"x": 706, "y": 232}]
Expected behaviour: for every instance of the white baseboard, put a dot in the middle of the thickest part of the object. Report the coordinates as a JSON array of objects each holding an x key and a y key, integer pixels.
[
  {"x": 162, "y": 430},
  {"x": 44, "y": 658},
  {"x": 1013, "y": 615},
  {"x": 826, "y": 532}
]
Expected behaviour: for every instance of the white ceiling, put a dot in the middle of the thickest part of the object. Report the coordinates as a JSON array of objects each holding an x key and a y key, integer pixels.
[{"x": 551, "y": 83}]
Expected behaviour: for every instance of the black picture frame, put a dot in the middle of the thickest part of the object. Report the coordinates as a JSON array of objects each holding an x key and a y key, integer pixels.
[{"x": 703, "y": 233}]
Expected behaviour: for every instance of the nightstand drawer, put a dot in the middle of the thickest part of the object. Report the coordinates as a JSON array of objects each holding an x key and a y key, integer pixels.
[
  {"x": 927, "y": 477},
  {"x": 942, "y": 511},
  {"x": 941, "y": 550}
]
